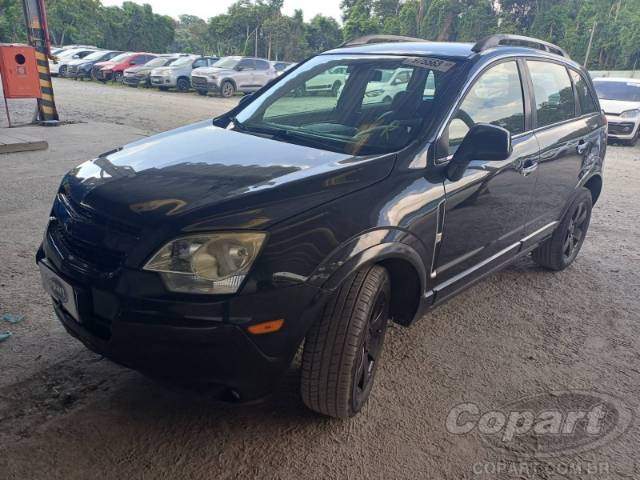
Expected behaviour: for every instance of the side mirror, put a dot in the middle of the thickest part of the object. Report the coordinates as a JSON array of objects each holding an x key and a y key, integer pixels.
[
  {"x": 245, "y": 98},
  {"x": 483, "y": 142}
]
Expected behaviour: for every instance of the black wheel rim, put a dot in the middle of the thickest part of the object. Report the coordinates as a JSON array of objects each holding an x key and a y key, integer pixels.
[
  {"x": 575, "y": 231},
  {"x": 370, "y": 350}
]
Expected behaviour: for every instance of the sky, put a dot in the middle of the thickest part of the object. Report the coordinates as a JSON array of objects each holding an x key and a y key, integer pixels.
[{"x": 209, "y": 8}]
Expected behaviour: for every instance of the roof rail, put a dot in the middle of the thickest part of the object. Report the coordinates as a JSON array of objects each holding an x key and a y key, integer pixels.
[
  {"x": 368, "y": 39},
  {"x": 505, "y": 39}
]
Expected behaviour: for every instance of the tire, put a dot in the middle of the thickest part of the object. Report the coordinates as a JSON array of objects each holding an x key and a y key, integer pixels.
[
  {"x": 343, "y": 348},
  {"x": 335, "y": 89},
  {"x": 227, "y": 89},
  {"x": 93, "y": 75},
  {"x": 62, "y": 71},
  {"x": 561, "y": 249},
  {"x": 183, "y": 85},
  {"x": 204, "y": 93}
]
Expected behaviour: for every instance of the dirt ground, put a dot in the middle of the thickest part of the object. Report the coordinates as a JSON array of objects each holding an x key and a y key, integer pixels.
[{"x": 66, "y": 413}]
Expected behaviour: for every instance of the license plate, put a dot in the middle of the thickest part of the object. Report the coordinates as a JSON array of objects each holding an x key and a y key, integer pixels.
[{"x": 60, "y": 290}]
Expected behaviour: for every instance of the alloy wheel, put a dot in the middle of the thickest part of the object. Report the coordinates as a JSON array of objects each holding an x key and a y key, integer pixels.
[
  {"x": 575, "y": 231},
  {"x": 370, "y": 350}
]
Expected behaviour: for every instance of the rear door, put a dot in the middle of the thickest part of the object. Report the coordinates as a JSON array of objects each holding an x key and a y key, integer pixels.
[
  {"x": 244, "y": 77},
  {"x": 568, "y": 134},
  {"x": 263, "y": 73},
  {"x": 486, "y": 212}
]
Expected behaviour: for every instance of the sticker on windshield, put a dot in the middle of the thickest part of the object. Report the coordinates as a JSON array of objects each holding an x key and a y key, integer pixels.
[{"x": 429, "y": 63}]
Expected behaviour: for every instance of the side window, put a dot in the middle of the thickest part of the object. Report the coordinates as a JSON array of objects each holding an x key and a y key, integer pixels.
[
  {"x": 495, "y": 98},
  {"x": 261, "y": 65},
  {"x": 587, "y": 103},
  {"x": 247, "y": 64},
  {"x": 553, "y": 92},
  {"x": 201, "y": 62}
]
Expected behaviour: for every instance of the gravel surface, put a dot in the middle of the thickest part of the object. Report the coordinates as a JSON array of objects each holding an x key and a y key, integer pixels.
[{"x": 66, "y": 413}]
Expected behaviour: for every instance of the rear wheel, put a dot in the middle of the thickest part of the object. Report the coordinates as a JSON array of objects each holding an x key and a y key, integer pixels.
[
  {"x": 227, "y": 89},
  {"x": 559, "y": 251},
  {"x": 343, "y": 349}
]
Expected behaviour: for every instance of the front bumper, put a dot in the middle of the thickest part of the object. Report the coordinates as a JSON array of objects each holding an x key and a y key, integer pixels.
[
  {"x": 134, "y": 80},
  {"x": 204, "y": 84},
  {"x": 181, "y": 338},
  {"x": 622, "y": 129},
  {"x": 161, "y": 81}
]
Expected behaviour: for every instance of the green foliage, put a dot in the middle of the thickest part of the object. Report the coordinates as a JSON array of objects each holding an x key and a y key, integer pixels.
[{"x": 258, "y": 27}]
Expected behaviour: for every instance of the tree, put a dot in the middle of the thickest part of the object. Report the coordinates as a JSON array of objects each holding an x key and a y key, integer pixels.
[
  {"x": 323, "y": 33},
  {"x": 12, "y": 24}
]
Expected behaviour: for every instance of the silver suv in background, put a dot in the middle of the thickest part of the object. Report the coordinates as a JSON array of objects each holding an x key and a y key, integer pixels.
[
  {"x": 233, "y": 74},
  {"x": 177, "y": 75}
]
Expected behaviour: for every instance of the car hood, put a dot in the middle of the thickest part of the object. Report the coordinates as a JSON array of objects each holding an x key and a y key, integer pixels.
[
  {"x": 618, "y": 106},
  {"x": 139, "y": 69},
  {"x": 203, "y": 176}
]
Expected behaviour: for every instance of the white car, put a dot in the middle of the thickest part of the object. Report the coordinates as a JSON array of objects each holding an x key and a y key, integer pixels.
[
  {"x": 620, "y": 100},
  {"x": 330, "y": 81},
  {"x": 59, "y": 67}
]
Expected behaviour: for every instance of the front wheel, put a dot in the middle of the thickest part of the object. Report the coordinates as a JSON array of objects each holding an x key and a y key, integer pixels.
[
  {"x": 559, "y": 251},
  {"x": 343, "y": 349},
  {"x": 183, "y": 85},
  {"x": 227, "y": 89}
]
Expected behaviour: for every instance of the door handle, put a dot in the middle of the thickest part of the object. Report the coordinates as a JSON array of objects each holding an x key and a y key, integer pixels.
[
  {"x": 582, "y": 147},
  {"x": 528, "y": 167}
]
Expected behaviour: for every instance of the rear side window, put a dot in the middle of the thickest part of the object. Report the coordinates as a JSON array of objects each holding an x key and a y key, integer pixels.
[
  {"x": 495, "y": 98},
  {"x": 587, "y": 103},
  {"x": 261, "y": 65},
  {"x": 247, "y": 64},
  {"x": 553, "y": 92}
]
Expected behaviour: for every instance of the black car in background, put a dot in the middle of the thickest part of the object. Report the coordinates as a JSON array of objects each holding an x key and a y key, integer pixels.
[
  {"x": 215, "y": 251},
  {"x": 83, "y": 70}
]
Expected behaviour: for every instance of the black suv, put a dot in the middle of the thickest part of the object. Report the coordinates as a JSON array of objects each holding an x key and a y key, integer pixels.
[{"x": 213, "y": 252}]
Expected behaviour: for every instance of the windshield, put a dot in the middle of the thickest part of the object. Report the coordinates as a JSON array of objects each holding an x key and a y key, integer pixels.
[
  {"x": 121, "y": 57},
  {"x": 95, "y": 55},
  {"x": 159, "y": 62},
  {"x": 342, "y": 103},
  {"x": 625, "y": 91},
  {"x": 227, "y": 62},
  {"x": 182, "y": 61}
]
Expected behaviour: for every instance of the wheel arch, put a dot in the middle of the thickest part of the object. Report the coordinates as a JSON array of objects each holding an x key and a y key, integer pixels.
[{"x": 406, "y": 270}]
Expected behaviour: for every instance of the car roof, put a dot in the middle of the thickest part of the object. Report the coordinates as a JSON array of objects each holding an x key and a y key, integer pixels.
[
  {"x": 617, "y": 79},
  {"x": 447, "y": 49},
  {"x": 452, "y": 50}
]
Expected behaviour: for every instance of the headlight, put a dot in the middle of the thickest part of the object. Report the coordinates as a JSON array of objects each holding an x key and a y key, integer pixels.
[
  {"x": 374, "y": 93},
  {"x": 630, "y": 114},
  {"x": 214, "y": 263}
]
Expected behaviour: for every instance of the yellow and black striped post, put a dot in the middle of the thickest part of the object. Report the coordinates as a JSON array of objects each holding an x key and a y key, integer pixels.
[{"x": 36, "y": 18}]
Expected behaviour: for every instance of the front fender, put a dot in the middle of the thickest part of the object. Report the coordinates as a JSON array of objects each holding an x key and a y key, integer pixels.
[{"x": 371, "y": 247}]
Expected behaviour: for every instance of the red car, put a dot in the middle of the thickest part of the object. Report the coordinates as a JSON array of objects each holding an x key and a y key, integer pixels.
[{"x": 114, "y": 68}]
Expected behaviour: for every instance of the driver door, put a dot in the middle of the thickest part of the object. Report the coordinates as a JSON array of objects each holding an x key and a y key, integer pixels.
[{"x": 487, "y": 211}]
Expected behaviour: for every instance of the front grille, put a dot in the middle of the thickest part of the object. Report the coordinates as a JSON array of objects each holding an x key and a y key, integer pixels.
[
  {"x": 89, "y": 239},
  {"x": 199, "y": 83},
  {"x": 625, "y": 128}
]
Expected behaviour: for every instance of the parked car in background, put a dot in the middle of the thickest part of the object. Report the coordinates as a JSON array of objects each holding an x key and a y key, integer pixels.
[
  {"x": 233, "y": 74},
  {"x": 217, "y": 251},
  {"x": 81, "y": 68},
  {"x": 281, "y": 67},
  {"x": 328, "y": 82},
  {"x": 178, "y": 74},
  {"x": 140, "y": 74},
  {"x": 59, "y": 66},
  {"x": 114, "y": 69},
  {"x": 620, "y": 100}
]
